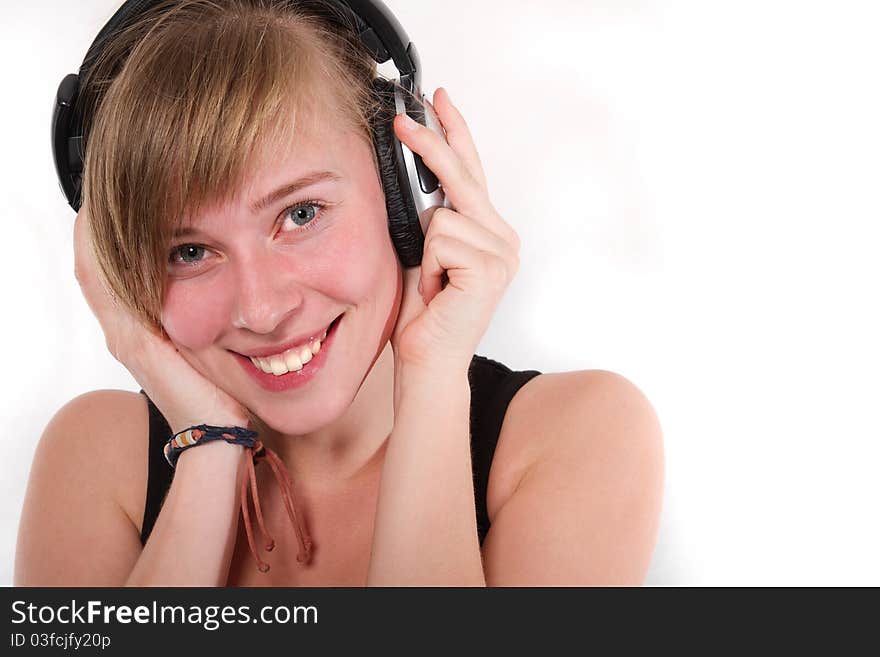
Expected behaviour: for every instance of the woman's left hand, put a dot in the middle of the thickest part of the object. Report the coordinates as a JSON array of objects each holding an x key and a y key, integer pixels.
[{"x": 440, "y": 326}]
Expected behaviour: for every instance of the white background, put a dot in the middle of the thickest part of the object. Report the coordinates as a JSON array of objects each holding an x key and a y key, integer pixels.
[{"x": 696, "y": 187}]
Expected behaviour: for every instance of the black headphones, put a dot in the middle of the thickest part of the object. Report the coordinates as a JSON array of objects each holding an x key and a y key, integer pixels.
[{"x": 412, "y": 191}]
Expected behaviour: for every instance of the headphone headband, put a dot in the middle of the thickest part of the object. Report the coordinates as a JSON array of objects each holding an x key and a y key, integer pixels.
[{"x": 378, "y": 30}]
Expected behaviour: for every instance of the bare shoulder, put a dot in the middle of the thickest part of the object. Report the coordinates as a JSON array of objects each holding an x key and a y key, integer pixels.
[
  {"x": 105, "y": 432},
  {"x": 87, "y": 479},
  {"x": 580, "y": 456},
  {"x": 562, "y": 411}
]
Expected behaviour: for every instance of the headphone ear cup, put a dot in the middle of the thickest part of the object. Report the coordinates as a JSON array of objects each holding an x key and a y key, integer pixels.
[{"x": 403, "y": 219}]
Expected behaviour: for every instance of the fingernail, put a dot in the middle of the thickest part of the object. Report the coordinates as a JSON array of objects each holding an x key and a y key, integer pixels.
[{"x": 409, "y": 123}]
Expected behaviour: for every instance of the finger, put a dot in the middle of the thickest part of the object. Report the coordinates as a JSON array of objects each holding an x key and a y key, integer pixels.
[
  {"x": 80, "y": 247},
  {"x": 449, "y": 222},
  {"x": 84, "y": 265},
  {"x": 98, "y": 295},
  {"x": 470, "y": 270},
  {"x": 458, "y": 134},
  {"x": 411, "y": 304},
  {"x": 461, "y": 188}
]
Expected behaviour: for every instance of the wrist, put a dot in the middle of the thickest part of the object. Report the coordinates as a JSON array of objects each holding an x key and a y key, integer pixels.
[
  {"x": 434, "y": 384},
  {"x": 217, "y": 454},
  {"x": 436, "y": 370}
]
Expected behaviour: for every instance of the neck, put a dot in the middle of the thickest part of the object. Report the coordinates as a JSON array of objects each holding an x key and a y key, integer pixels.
[{"x": 350, "y": 447}]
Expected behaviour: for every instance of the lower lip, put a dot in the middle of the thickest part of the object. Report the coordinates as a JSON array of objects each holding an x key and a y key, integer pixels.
[{"x": 295, "y": 379}]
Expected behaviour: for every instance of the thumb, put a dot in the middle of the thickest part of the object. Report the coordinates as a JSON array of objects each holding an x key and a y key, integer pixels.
[{"x": 411, "y": 304}]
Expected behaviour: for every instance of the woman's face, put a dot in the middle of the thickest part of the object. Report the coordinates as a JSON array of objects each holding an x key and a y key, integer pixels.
[{"x": 251, "y": 279}]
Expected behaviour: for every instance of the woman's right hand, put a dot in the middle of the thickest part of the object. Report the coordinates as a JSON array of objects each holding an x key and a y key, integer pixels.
[{"x": 183, "y": 395}]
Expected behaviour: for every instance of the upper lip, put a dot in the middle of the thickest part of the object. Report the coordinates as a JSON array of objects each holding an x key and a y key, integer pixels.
[{"x": 299, "y": 341}]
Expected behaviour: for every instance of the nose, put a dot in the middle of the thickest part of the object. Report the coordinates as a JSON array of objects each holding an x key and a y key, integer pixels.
[{"x": 265, "y": 296}]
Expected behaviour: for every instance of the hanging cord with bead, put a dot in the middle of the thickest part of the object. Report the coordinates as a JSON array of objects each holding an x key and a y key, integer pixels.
[
  {"x": 282, "y": 477},
  {"x": 203, "y": 433}
]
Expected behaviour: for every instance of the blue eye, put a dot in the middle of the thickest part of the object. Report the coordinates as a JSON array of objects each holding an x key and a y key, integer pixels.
[
  {"x": 188, "y": 253},
  {"x": 302, "y": 215}
]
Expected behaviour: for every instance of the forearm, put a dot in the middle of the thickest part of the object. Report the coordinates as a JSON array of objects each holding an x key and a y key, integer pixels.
[
  {"x": 425, "y": 531},
  {"x": 193, "y": 539}
]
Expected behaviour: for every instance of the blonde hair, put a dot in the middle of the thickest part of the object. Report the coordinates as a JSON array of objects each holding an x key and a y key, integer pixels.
[{"x": 206, "y": 86}]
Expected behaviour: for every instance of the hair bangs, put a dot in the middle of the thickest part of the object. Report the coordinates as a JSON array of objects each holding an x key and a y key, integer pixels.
[{"x": 207, "y": 91}]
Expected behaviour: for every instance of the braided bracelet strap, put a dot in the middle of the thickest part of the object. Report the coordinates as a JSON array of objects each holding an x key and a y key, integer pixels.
[{"x": 205, "y": 433}]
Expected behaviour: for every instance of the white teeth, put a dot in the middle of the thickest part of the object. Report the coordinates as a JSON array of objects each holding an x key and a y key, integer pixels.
[
  {"x": 278, "y": 366},
  {"x": 294, "y": 363},
  {"x": 291, "y": 360}
]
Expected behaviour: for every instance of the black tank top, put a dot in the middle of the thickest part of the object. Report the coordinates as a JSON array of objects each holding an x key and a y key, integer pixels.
[{"x": 492, "y": 384}]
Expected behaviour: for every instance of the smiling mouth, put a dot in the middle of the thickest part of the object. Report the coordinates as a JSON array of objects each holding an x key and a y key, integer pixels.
[{"x": 295, "y": 358}]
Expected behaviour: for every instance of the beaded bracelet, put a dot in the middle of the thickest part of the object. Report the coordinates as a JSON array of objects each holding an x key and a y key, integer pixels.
[{"x": 205, "y": 433}]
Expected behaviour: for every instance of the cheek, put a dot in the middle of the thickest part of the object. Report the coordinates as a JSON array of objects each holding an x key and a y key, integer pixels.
[
  {"x": 368, "y": 259},
  {"x": 358, "y": 263},
  {"x": 193, "y": 313}
]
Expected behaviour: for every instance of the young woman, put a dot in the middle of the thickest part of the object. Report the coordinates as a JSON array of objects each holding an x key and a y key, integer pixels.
[{"x": 234, "y": 244}]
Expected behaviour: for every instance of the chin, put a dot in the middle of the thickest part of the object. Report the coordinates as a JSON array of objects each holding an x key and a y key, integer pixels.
[{"x": 285, "y": 418}]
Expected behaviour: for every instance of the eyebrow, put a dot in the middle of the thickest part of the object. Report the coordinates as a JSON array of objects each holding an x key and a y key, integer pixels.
[
  {"x": 258, "y": 206},
  {"x": 291, "y": 188}
]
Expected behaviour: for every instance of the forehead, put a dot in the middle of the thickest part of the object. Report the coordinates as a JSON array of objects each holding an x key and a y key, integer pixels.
[{"x": 320, "y": 150}]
